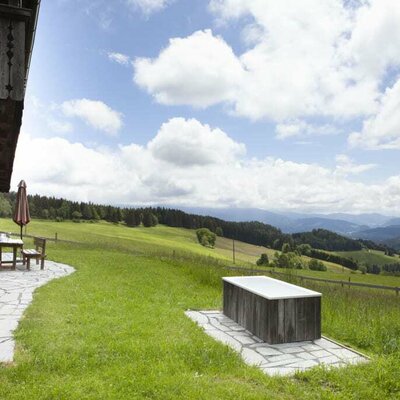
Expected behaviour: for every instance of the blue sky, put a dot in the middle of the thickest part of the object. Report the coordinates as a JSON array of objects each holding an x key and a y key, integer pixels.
[{"x": 289, "y": 105}]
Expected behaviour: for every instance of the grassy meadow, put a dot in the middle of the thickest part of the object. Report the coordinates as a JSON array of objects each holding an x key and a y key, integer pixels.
[
  {"x": 116, "y": 328},
  {"x": 369, "y": 257}
]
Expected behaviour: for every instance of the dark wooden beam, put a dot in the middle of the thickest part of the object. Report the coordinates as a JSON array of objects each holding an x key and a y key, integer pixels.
[{"x": 18, "y": 20}]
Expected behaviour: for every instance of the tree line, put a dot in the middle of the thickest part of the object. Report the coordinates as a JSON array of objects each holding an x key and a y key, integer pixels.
[{"x": 253, "y": 232}]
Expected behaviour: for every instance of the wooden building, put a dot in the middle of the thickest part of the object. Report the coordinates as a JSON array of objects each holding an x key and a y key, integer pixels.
[{"x": 18, "y": 21}]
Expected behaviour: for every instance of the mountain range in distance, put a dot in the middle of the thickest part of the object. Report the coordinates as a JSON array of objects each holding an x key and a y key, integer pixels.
[{"x": 373, "y": 226}]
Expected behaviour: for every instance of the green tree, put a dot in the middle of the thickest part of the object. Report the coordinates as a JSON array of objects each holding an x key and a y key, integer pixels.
[
  {"x": 45, "y": 213},
  {"x": 76, "y": 216},
  {"x": 87, "y": 212},
  {"x": 219, "y": 232},
  {"x": 304, "y": 249},
  {"x": 95, "y": 214},
  {"x": 5, "y": 207},
  {"x": 316, "y": 265},
  {"x": 149, "y": 219},
  {"x": 130, "y": 218},
  {"x": 286, "y": 248},
  {"x": 206, "y": 237},
  {"x": 263, "y": 260}
]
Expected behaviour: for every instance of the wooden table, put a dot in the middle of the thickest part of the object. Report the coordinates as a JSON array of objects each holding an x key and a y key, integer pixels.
[
  {"x": 14, "y": 244},
  {"x": 273, "y": 310}
]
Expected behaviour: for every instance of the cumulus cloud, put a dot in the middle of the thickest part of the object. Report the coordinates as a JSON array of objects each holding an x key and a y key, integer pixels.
[
  {"x": 382, "y": 130},
  {"x": 200, "y": 70},
  {"x": 94, "y": 113},
  {"x": 119, "y": 58},
  {"x": 347, "y": 166},
  {"x": 149, "y": 6},
  {"x": 187, "y": 142},
  {"x": 304, "y": 59},
  {"x": 303, "y": 129},
  {"x": 136, "y": 174}
]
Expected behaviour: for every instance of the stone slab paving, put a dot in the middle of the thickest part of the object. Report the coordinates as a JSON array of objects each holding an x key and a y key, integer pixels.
[
  {"x": 279, "y": 359},
  {"x": 16, "y": 293}
]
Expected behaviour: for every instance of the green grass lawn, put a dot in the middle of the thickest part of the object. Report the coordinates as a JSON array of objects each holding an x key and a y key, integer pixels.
[
  {"x": 369, "y": 257},
  {"x": 116, "y": 328}
]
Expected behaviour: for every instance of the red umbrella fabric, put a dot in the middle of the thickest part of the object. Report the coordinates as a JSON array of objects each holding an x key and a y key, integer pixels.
[{"x": 21, "y": 214}]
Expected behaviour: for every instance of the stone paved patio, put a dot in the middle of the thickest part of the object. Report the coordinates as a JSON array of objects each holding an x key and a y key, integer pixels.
[
  {"x": 16, "y": 293},
  {"x": 280, "y": 359}
]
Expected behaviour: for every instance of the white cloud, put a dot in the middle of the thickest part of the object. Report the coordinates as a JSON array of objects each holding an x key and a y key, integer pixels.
[
  {"x": 135, "y": 174},
  {"x": 60, "y": 127},
  {"x": 201, "y": 70},
  {"x": 188, "y": 142},
  {"x": 305, "y": 58},
  {"x": 303, "y": 129},
  {"x": 95, "y": 113},
  {"x": 381, "y": 131},
  {"x": 375, "y": 40},
  {"x": 149, "y": 6},
  {"x": 346, "y": 166},
  {"x": 119, "y": 58}
]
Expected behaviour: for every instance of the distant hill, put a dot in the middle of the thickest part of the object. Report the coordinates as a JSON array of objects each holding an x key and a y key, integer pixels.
[
  {"x": 335, "y": 225},
  {"x": 281, "y": 221},
  {"x": 371, "y": 219},
  {"x": 393, "y": 221},
  {"x": 381, "y": 234},
  {"x": 345, "y": 224}
]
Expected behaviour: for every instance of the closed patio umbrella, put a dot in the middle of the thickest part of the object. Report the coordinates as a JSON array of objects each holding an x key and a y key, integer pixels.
[{"x": 21, "y": 214}]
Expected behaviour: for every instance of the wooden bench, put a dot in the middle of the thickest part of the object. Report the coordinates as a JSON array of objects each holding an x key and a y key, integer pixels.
[{"x": 39, "y": 253}]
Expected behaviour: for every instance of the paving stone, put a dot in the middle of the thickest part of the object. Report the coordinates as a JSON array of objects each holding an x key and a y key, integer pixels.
[
  {"x": 290, "y": 350},
  {"x": 321, "y": 353},
  {"x": 280, "y": 359},
  {"x": 237, "y": 328},
  {"x": 306, "y": 356},
  {"x": 244, "y": 339},
  {"x": 252, "y": 357},
  {"x": 311, "y": 347},
  {"x": 326, "y": 344},
  {"x": 226, "y": 339},
  {"x": 281, "y": 363},
  {"x": 219, "y": 326},
  {"x": 7, "y": 351},
  {"x": 197, "y": 317},
  {"x": 304, "y": 364},
  {"x": 329, "y": 360},
  {"x": 267, "y": 351},
  {"x": 16, "y": 293},
  {"x": 343, "y": 354}
]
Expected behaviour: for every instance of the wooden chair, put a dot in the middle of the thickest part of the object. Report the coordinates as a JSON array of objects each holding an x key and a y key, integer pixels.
[{"x": 39, "y": 253}]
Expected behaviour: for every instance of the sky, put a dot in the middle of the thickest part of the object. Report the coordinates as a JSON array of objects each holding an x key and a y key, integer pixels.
[{"x": 287, "y": 106}]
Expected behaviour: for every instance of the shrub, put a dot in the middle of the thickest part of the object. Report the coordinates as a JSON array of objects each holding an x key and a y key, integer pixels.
[
  {"x": 288, "y": 260},
  {"x": 263, "y": 260},
  {"x": 205, "y": 237},
  {"x": 363, "y": 269},
  {"x": 316, "y": 265}
]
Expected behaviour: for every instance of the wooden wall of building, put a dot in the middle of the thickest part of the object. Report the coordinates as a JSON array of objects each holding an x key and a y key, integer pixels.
[{"x": 274, "y": 321}]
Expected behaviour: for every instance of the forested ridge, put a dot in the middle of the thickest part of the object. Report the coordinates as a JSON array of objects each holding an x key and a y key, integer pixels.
[{"x": 254, "y": 232}]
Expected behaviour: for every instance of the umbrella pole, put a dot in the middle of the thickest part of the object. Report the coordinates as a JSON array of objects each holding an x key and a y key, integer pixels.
[{"x": 21, "y": 232}]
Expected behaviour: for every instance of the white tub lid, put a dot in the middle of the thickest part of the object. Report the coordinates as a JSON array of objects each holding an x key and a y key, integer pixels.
[{"x": 270, "y": 288}]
